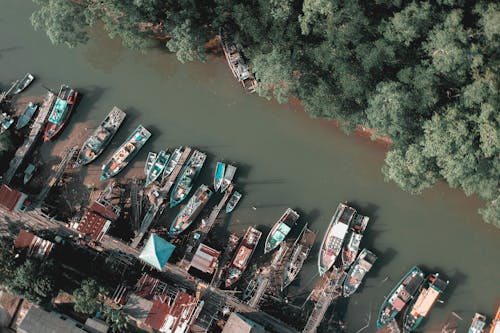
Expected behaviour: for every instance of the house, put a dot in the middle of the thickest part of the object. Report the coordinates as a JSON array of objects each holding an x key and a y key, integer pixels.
[
  {"x": 32, "y": 244},
  {"x": 12, "y": 200},
  {"x": 205, "y": 259},
  {"x": 238, "y": 323},
  {"x": 97, "y": 220},
  {"x": 156, "y": 252}
]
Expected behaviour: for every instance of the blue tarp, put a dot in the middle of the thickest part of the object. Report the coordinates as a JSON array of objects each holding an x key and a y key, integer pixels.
[{"x": 157, "y": 252}]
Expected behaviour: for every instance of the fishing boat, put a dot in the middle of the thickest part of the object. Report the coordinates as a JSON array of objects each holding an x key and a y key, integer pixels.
[
  {"x": 495, "y": 324},
  {"x": 357, "y": 272},
  {"x": 478, "y": 323},
  {"x": 219, "y": 175},
  {"x": 172, "y": 162},
  {"x": 150, "y": 160},
  {"x": 422, "y": 304},
  {"x": 186, "y": 179},
  {"x": 28, "y": 113},
  {"x": 28, "y": 173},
  {"x": 228, "y": 177},
  {"x": 156, "y": 170},
  {"x": 233, "y": 201},
  {"x": 281, "y": 229},
  {"x": 190, "y": 211},
  {"x": 6, "y": 120},
  {"x": 298, "y": 255},
  {"x": 24, "y": 83},
  {"x": 400, "y": 295},
  {"x": 353, "y": 240},
  {"x": 334, "y": 237},
  {"x": 62, "y": 109},
  {"x": 125, "y": 153},
  {"x": 101, "y": 137},
  {"x": 242, "y": 256},
  {"x": 252, "y": 286}
]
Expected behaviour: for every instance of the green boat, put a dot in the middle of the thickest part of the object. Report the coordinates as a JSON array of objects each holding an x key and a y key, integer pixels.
[
  {"x": 184, "y": 183},
  {"x": 281, "y": 229},
  {"x": 28, "y": 113},
  {"x": 157, "y": 168}
]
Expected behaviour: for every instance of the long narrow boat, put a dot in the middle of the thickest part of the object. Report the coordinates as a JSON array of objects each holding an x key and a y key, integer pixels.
[
  {"x": 233, "y": 201},
  {"x": 28, "y": 113},
  {"x": 126, "y": 152},
  {"x": 334, "y": 237},
  {"x": 421, "y": 305},
  {"x": 172, "y": 162},
  {"x": 400, "y": 295},
  {"x": 24, "y": 83},
  {"x": 281, "y": 229},
  {"x": 190, "y": 211},
  {"x": 298, "y": 256},
  {"x": 478, "y": 323},
  {"x": 157, "y": 168},
  {"x": 28, "y": 173},
  {"x": 228, "y": 177},
  {"x": 219, "y": 175},
  {"x": 249, "y": 291},
  {"x": 150, "y": 160},
  {"x": 101, "y": 137},
  {"x": 242, "y": 256},
  {"x": 495, "y": 324},
  {"x": 185, "y": 182},
  {"x": 353, "y": 240},
  {"x": 357, "y": 272},
  {"x": 61, "y": 111}
]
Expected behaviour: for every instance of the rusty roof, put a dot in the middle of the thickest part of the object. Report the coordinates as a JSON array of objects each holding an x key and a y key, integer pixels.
[
  {"x": 9, "y": 197},
  {"x": 93, "y": 225}
]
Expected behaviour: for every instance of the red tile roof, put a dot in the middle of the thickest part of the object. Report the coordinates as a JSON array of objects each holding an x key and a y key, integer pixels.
[
  {"x": 205, "y": 259},
  {"x": 92, "y": 225},
  {"x": 33, "y": 244},
  {"x": 158, "y": 313},
  {"x": 105, "y": 211},
  {"x": 9, "y": 197}
]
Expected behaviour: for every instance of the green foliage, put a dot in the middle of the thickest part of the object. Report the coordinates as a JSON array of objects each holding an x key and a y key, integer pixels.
[
  {"x": 89, "y": 297},
  {"x": 118, "y": 321},
  {"x": 7, "y": 263},
  {"x": 7, "y": 143},
  {"x": 33, "y": 280}
]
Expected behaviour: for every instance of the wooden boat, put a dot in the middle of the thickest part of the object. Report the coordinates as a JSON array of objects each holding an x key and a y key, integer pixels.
[
  {"x": 478, "y": 323},
  {"x": 353, "y": 240},
  {"x": 28, "y": 113},
  {"x": 242, "y": 256},
  {"x": 61, "y": 111},
  {"x": 219, "y": 175},
  {"x": 495, "y": 324},
  {"x": 172, "y": 163},
  {"x": 228, "y": 177},
  {"x": 251, "y": 288},
  {"x": 150, "y": 160},
  {"x": 28, "y": 173},
  {"x": 6, "y": 121},
  {"x": 24, "y": 83},
  {"x": 157, "y": 169},
  {"x": 233, "y": 201},
  {"x": 190, "y": 211},
  {"x": 357, "y": 272},
  {"x": 186, "y": 179},
  {"x": 101, "y": 137},
  {"x": 281, "y": 229}
]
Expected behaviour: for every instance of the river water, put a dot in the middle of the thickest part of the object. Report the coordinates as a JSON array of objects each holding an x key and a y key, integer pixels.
[{"x": 285, "y": 160}]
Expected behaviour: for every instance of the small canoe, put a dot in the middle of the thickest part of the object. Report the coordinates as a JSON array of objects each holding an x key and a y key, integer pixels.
[
  {"x": 172, "y": 163},
  {"x": 157, "y": 168},
  {"x": 24, "y": 83},
  {"x": 233, "y": 201},
  {"x": 27, "y": 115},
  {"x": 149, "y": 162},
  {"x": 219, "y": 175},
  {"x": 28, "y": 173}
]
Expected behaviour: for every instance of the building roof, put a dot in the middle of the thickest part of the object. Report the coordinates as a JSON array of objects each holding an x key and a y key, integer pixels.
[
  {"x": 138, "y": 307},
  {"x": 9, "y": 197},
  {"x": 33, "y": 244},
  {"x": 157, "y": 252},
  {"x": 179, "y": 318},
  {"x": 93, "y": 225},
  {"x": 205, "y": 259},
  {"x": 37, "y": 320},
  {"x": 97, "y": 325},
  {"x": 239, "y": 323},
  {"x": 106, "y": 211}
]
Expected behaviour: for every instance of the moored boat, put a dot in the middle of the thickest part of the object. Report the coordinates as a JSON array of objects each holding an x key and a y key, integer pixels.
[
  {"x": 363, "y": 264},
  {"x": 400, "y": 295},
  {"x": 6, "y": 120},
  {"x": 150, "y": 160},
  {"x": 190, "y": 211},
  {"x": 495, "y": 324},
  {"x": 233, "y": 201},
  {"x": 61, "y": 111},
  {"x": 28, "y": 173},
  {"x": 353, "y": 240},
  {"x": 125, "y": 153},
  {"x": 249, "y": 291},
  {"x": 478, "y": 323},
  {"x": 334, "y": 237},
  {"x": 156, "y": 170},
  {"x": 101, "y": 137},
  {"x": 219, "y": 175},
  {"x": 24, "y": 83},
  {"x": 421, "y": 305},
  {"x": 186, "y": 179},
  {"x": 298, "y": 255},
  {"x": 172, "y": 162},
  {"x": 229, "y": 172},
  {"x": 242, "y": 256},
  {"x": 281, "y": 229},
  {"x": 28, "y": 113}
]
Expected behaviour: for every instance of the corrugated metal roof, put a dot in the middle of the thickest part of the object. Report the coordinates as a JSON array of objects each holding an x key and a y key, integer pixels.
[
  {"x": 9, "y": 197},
  {"x": 37, "y": 320},
  {"x": 205, "y": 259},
  {"x": 93, "y": 225}
]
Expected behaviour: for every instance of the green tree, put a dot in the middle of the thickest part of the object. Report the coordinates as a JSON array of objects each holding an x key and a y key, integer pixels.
[
  {"x": 117, "y": 320},
  {"x": 6, "y": 144},
  {"x": 7, "y": 262},
  {"x": 33, "y": 281},
  {"x": 89, "y": 297}
]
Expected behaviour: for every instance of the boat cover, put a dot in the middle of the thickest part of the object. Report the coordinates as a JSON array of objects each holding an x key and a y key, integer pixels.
[{"x": 339, "y": 230}]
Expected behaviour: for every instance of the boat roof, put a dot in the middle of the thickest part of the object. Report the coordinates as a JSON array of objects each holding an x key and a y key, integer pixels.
[
  {"x": 58, "y": 111},
  {"x": 425, "y": 301},
  {"x": 339, "y": 230}
]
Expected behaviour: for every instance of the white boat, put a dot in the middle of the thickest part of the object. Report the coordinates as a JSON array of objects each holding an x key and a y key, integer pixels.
[
  {"x": 228, "y": 177},
  {"x": 24, "y": 83},
  {"x": 150, "y": 160}
]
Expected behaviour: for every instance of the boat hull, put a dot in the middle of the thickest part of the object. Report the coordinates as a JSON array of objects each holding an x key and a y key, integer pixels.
[
  {"x": 24, "y": 83},
  {"x": 233, "y": 201},
  {"x": 63, "y": 108},
  {"x": 190, "y": 211},
  {"x": 26, "y": 116},
  {"x": 188, "y": 175},
  {"x": 157, "y": 168},
  {"x": 280, "y": 230},
  {"x": 219, "y": 175},
  {"x": 242, "y": 256},
  {"x": 362, "y": 265}
]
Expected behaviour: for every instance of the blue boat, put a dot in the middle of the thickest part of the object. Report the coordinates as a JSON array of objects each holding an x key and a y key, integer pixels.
[
  {"x": 219, "y": 175},
  {"x": 190, "y": 211},
  {"x": 28, "y": 113},
  {"x": 185, "y": 182}
]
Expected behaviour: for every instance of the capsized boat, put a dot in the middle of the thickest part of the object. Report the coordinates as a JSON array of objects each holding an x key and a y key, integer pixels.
[
  {"x": 298, "y": 255},
  {"x": 478, "y": 323},
  {"x": 172, "y": 162},
  {"x": 495, "y": 324},
  {"x": 6, "y": 120},
  {"x": 400, "y": 295},
  {"x": 28, "y": 113},
  {"x": 233, "y": 201},
  {"x": 28, "y": 173},
  {"x": 186, "y": 179},
  {"x": 422, "y": 304},
  {"x": 125, "y": 153},
  {"x": 242, "y": 256},
  {"x": 190, "y": 211},
  {"x": 353, "y": 240},
  {"x": 334, "y": 237},
  {"x": 357, "y": 272},
  {"x": 101, "y": 137},
  {"x": 281, "y": 229},
  {"x": 228, "y": 177},
  {"x": 219, "y": 175},
  {"x": 62, "y": 109},
  {"x": 156, "y": 170},
  {"x": 24, "y": 83},
  {"x": 150, "y": 160}
]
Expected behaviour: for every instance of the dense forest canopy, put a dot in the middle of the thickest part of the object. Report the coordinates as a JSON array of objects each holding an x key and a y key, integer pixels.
[{"x": 423, "y": 73}]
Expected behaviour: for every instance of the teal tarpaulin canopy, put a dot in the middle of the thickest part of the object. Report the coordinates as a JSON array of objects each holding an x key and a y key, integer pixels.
[{"x": 157, "y": 252}]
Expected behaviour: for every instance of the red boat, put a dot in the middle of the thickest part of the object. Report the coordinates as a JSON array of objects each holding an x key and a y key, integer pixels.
[{"x": 64, "y": 105}]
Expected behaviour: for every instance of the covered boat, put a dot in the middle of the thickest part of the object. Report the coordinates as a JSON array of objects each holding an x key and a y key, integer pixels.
[
  {"x": 28, "y": 113},
  {"x": 219, "y": 175},
  {"x": 61, "y": 111},
  {"x": 242, "y": 256},
  {"x": 150, "y": 160},
  {"x": 28, "y": 173},
  {"x": 24, "y": 83},
  {"x": 172, "y": 162},
  {"x": 125, "y": 153},
  {"x": 229, "y": 172},
  {"x": 478, "y": 323},
  {"x": 422, "y": 304},
  {"x": 281, "y": 229},
  {"x": 400, "y": 295},
  {"x": 334, "y": 237},
  {"x": 357, "y": 272},
  {"x": 156, "y": 170},
  {"x": 233, "y": 201},
  {"x": 101, "y": 137},
  {"x": 353, "y": 240},
  {"x": 190, "y": 211},
  {"x": 187, "y": 177}
]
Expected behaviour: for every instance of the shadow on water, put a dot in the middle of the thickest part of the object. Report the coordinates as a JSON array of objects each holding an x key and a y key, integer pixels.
[
  {"x": 383, "y": 259},
  {"x": 310, "y": 218},
  {"x": 264, "y": 182}
]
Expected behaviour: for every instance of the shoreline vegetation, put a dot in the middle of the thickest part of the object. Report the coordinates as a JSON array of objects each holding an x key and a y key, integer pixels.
[{"x": 424, "y": 74}]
